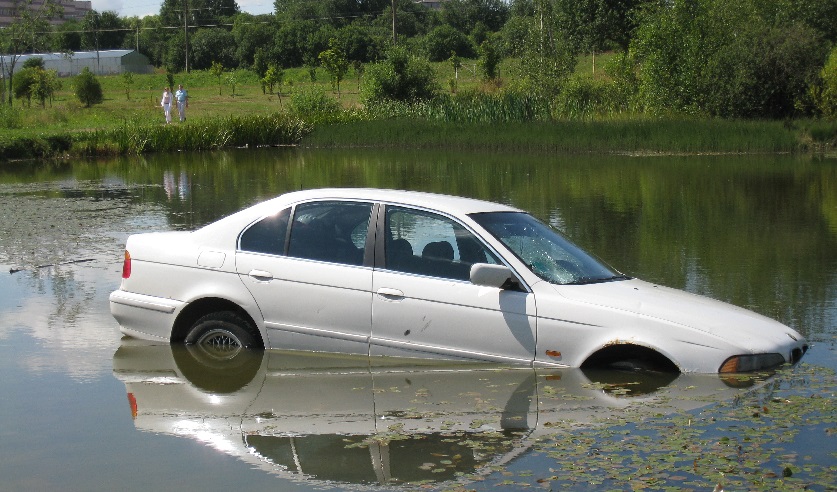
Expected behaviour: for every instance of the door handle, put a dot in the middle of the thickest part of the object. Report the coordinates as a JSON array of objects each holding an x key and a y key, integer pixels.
[
  {"x": 389, "y": 293},
  {"x": 261, "y": 275}
]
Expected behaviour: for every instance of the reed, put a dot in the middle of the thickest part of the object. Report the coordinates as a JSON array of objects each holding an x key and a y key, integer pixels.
[
  {"x": 628, "y": 135},
  {"x": 211, "y": 133}
]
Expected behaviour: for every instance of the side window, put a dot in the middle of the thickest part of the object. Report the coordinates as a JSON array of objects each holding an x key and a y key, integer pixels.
[
  {"x": 429, "y": 244},
  {"x": 267, "y": 235},
  {"x": 330, "y": 231}
]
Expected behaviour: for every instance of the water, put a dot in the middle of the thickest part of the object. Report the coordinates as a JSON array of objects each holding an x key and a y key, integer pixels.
[{"x": 757, "y": 231}]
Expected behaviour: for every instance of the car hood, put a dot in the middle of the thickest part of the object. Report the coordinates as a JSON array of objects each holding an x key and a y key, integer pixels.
[{"x": 730, "y": 323}]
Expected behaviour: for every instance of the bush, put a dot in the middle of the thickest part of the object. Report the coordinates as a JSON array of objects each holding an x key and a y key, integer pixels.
[
  {"x": 314, "y": 105},
  {"x": 401, "y": 77},
  {"x": 88, "y": 89}
]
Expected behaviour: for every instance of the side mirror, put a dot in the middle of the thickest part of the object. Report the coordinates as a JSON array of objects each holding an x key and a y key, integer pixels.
[{"x": 499, "y": 276}]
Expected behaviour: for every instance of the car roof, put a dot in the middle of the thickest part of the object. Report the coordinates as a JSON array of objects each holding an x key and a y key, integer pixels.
[{"x": 447, "y": 203}]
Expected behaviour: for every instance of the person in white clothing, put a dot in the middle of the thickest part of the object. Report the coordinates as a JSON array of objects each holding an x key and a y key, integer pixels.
[{"x": 165, "y": 102}]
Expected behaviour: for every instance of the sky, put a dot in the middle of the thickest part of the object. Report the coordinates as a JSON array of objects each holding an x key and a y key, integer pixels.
[{"x": 141, "y": 8}]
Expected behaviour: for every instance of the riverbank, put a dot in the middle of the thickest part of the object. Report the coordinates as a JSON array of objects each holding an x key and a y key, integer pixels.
[
  {"x": 630, "y": 136},
  {"x": 130, "y": 121}
]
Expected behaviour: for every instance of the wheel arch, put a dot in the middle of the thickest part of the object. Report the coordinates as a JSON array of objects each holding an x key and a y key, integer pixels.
[
  {"x": 201, "y": 307},
  {"x": 610, "y": 354}
]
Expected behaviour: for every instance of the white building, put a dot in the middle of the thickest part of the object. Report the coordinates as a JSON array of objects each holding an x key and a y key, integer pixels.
[{"x": 106, "y": 62}]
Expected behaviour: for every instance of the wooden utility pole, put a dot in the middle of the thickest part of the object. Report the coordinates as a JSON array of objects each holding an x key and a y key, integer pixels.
[
  {"x": 186, "y": 32},
  {"x": 394, "y": 36}
]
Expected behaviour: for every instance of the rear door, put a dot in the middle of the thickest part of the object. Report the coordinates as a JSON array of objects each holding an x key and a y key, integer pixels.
[
  {"x": 306, "y": 268},
  {"x": 424, "y": 303}
]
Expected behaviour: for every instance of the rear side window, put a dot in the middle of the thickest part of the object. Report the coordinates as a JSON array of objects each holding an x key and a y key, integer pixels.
[
  {"x": 268, "y": 235},
  {"x": 330, "y": 231}
]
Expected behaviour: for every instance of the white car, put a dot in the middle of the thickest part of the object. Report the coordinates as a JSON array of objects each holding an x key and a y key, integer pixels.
[{"x": 409, "y": 274}]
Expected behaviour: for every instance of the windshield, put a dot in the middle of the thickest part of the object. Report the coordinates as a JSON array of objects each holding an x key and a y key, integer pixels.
[{"x": 547, "y": 253}]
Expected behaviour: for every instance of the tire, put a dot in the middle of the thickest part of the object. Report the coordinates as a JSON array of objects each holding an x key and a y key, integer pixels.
[{"x": 223, "y": 332}]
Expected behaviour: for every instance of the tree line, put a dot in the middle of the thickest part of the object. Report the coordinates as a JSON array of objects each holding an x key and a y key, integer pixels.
[{"x": 725, "y": 58}]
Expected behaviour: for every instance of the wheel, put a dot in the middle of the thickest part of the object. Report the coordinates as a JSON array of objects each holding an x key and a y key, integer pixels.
[{"x": 222, "y": 334}]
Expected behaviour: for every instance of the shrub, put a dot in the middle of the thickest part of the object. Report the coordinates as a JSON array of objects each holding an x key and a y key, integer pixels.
[
  {"x": 443, "y": 40},
  {"x": 314, "y": 105},
  {"x": 400, "y": 77},
  {"x": 88, "y": 90}
]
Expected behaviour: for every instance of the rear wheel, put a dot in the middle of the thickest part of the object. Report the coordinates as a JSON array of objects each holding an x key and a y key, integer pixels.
[{"x": 223, "y": 334}]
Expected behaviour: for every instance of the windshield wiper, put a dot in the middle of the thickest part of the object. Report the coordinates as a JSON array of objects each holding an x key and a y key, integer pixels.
[{"x": 588, "y": 280}]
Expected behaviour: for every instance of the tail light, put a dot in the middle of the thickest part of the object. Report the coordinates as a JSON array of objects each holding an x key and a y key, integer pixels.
[
  {"x": 132, "y": 400},
  {"x": 126, "y": 265}
]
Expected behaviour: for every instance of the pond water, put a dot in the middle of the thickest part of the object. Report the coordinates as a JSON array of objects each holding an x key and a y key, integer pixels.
[{"x": 84, "y": 409}]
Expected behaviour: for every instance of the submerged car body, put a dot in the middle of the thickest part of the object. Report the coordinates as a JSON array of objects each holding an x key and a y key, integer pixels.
[
  {"x": 333, "y": 420},
  {"x": 396, "y": 273}
]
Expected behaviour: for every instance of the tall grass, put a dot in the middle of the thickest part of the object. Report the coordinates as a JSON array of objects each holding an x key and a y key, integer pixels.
[
  {"x": 210, "y": 133},
  {"x": 638, "y": 136}
]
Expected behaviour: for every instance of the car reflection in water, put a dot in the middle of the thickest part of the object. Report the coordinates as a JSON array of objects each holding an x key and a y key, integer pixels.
[{"x": 341, "y": 419}]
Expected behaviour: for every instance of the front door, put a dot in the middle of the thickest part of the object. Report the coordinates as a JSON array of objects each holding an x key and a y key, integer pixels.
[{"x": 423, "y": 303}]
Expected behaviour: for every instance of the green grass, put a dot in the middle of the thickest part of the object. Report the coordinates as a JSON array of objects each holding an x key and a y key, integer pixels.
[{"x": 488, "y": 118}]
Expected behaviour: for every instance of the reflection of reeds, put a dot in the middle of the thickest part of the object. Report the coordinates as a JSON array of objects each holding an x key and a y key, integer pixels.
[
  {"x": 636, "y": 135},
  {"x": 231, "y": 131}
]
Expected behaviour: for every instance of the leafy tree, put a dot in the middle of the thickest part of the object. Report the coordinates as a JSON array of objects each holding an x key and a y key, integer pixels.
[
  {"x": 102, "y": 31},
  {"x": 825, "y": 95},
  {"x": 252, "y": 35},
  {"x": 443, "y": 40},
  {"x": 334, "y": 61},
  {"x": 67, "y": 36},
  {"x": 45, "y": 84},
  {"x": 464, "y": 15},
  {"x": 127, "y": 82},
  {"x": 19, "y": 37},
  {"x": 489, "y": 61},
  {"x": 24, "y": 82},
  {"x": 232, "y": 81},
  {"x": 724, "y": 58},
  {"x": 200, "y": 13},
  {"x": 212, "y": 44},
  {"x": 273, "y": 79},
  {"x": 546, "y": 53},
  {"x": 400, "y": 77},
  {"x": 217, "y": 71},
  {"x": 88, "y": 90}
]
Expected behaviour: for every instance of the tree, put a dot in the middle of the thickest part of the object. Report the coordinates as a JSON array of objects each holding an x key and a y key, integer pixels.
[
  {"x": 232, "y": 81},
  {"x": 443, "y": 40},
  {"x": 19, "y": 37},
  {"x": 87, "y": 88},
  {"x": 273, "y": 79},
  {"x": 724, "y": 58},
  {"x": 128, "y": 81},
  {"x": 102, "y": 31},
  {"x": 212, "y": 44},
  {"x": 489, "y": 60},
  {"x": 464, "y": 15},
  {"x": 217, "y": 71},
  {"x": 826, "y": 93},
  {"x": 334, "y": 61}
]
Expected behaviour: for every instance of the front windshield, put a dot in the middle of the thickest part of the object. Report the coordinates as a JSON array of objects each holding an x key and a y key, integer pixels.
[{"x": 547, "y": 253}]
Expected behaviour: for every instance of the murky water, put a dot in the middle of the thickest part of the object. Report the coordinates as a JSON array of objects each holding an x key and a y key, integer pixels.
[{"x": 82, "y": 409}]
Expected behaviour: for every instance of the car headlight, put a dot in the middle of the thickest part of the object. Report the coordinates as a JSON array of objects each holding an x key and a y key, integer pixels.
[{"x": 748, "y": 363}]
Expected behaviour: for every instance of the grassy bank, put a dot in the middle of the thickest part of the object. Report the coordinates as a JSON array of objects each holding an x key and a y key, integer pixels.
[{"x": 130, "y": 121}]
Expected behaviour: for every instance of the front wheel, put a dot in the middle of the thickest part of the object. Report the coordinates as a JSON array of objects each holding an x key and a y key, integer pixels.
[{"x": 223, "y": 332}]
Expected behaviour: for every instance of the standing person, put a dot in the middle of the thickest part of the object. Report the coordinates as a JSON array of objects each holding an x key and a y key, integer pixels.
[
  {"x": 182, "y": 98},
  {"x": 165, "y": 102}
]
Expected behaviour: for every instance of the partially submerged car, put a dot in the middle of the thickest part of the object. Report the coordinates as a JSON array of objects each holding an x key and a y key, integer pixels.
[{"x": 410, "y": 274}]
